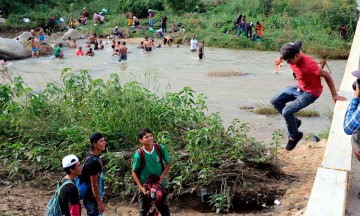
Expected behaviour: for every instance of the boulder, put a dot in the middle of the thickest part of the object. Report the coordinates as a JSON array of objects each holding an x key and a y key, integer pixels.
[
  {"x": 2, "y": 21},
  {"x": 74, "y": 34},
  {"x": 24, "y": 36},
  {"x": 64, "y": 44},
  {"x": 11, "y": 50}
]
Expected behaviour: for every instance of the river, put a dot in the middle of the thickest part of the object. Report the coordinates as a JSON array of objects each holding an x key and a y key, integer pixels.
[{"x": 173, "y": 68}]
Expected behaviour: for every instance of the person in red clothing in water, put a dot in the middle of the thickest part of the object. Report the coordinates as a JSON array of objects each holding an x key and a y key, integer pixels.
[{"x": 308, "y": 89}]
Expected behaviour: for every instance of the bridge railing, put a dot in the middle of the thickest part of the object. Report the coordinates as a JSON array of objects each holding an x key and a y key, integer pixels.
[{"x": 330, "y": 190}]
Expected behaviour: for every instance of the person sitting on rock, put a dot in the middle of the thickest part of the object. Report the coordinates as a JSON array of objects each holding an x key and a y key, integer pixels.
[{"x": 117, "y": 32}]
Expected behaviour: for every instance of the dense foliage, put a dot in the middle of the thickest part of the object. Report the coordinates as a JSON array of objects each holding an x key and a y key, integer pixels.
[
  {"x": 317, "y": 23},
  {"x": 38, "y": 129}
]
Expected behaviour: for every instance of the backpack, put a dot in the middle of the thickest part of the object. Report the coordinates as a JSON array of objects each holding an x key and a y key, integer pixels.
[
  {"x": 142, "y": 158},
  {"x": 53, "y": 207},
  {"x": 82, "y": 186}
]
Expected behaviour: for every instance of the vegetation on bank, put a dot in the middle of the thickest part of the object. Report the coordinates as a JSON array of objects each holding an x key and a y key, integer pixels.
[
  {"x": 315, "y": 22},
  {"x": 38, "y": 129}
]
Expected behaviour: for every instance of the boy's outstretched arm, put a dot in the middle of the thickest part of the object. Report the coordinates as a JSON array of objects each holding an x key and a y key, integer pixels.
[{"x": 330, "y": 83}]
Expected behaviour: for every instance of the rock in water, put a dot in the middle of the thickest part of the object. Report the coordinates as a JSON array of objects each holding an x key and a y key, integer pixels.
[
  {"x": 74, "y": 34},
  {"x": 11, "y": 50},
  {"x": 24, "y": 36}
]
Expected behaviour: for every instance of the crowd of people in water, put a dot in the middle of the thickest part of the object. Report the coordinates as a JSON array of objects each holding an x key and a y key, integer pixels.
[{"x": 94, "y": 43}]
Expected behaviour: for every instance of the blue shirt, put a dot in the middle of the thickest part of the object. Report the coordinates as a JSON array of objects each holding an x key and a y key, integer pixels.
[{"x": 352, "y": 117}]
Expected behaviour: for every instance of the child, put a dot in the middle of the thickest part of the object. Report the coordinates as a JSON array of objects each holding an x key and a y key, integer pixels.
[
  {"x": 201, "y": 50},
  {"x": 90, "y": 52},
  {"x": 79, "y": 52},
  {"x": 123, "y": 52}
]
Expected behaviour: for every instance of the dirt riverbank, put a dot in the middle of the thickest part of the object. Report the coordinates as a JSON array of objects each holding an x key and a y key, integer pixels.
[{"x": 300, "y": 164}]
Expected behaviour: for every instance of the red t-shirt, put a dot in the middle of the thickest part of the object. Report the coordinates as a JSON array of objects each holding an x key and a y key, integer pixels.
[
  {"x": 307, "y": 74},
  {"x": 79, "y": 52}
]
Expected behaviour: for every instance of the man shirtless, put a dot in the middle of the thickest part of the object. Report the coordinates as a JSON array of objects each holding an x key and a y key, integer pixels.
[
  {"x": 148, "y": 45},
  {"x": 92, "y": 39},
  {"x": 41, "y": 35},
  {"x": 168, "y": 40},
  {"x": 34, "y": 47},
  {"x": 123, "y": 52}
]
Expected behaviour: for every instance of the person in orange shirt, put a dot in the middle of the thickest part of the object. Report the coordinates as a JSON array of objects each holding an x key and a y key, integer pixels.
[
  {"x": 79, "y": 52},
  {"x": 259, "y": 27}
]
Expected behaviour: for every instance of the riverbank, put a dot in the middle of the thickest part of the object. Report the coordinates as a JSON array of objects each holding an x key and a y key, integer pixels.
[
  {"x": 300, "y": 164},
  {"x": 315, "y": 23}
]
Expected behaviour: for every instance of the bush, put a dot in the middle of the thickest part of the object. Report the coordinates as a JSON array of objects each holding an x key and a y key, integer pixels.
[{"x": 37, "y": 130}]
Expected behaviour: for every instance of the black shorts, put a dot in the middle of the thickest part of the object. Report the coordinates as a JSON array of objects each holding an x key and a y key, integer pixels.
[{"x": 201, "y": 55}]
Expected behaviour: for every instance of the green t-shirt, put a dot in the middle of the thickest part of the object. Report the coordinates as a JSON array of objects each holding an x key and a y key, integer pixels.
[
  {"x": 57, "y": 51},
  {"x": 152, "y": 164}
]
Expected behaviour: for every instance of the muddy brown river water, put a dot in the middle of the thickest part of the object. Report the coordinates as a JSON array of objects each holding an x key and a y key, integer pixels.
[{"x": 171, "y": 69}]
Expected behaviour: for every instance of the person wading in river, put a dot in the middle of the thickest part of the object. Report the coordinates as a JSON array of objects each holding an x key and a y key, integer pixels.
[
  {"x": 34, "y": 47},
  {"x": 201, "y": 50},
  {"x": 148, "y": 45},
  {"x": 308, "y": 89}
]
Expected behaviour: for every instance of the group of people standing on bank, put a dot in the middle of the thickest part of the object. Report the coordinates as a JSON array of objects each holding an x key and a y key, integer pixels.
[
  {"x": 245, "y": 28},
  {"x": 149, "y": 167}
]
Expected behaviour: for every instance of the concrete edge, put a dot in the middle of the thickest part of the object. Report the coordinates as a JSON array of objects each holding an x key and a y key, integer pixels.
[{"x": 330, "y": 190}]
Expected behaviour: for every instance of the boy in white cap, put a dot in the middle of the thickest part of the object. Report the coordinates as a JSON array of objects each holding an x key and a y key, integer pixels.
[
  {"x": 69, "y": 198},
  {"x": 308, "y": 89}
]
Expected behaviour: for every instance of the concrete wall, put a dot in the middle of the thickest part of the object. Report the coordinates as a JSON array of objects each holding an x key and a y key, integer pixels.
[{"x": 330, "y": 189}]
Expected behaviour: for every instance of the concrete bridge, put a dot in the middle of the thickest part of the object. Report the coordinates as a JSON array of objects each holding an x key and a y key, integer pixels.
[{"x": 337, "y": 182}]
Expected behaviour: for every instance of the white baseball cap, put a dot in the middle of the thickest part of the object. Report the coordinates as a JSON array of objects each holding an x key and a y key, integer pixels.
[{"x": 69, "y": 160}]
